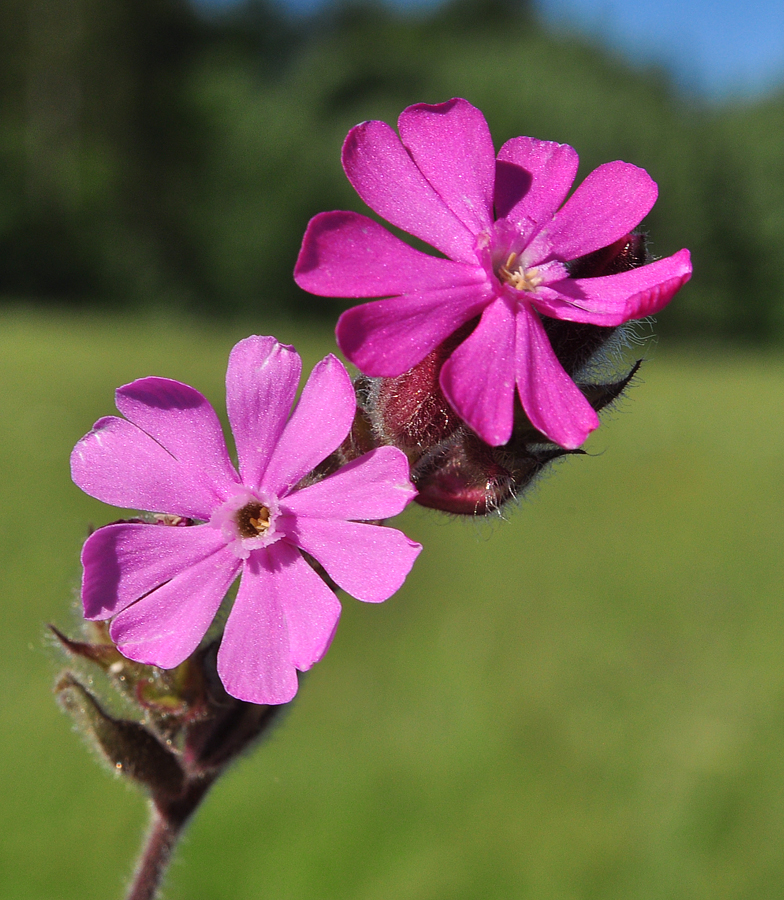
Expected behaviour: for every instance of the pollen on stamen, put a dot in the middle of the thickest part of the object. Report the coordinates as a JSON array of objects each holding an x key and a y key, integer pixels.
[
  {"x": 253, "y": 520},
  {"x": 519, "y": 278}
]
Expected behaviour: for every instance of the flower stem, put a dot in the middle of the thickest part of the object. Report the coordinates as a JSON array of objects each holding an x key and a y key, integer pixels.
[
  {"x": 167, "y": 822},
  {"x": 156, "y": 854}
]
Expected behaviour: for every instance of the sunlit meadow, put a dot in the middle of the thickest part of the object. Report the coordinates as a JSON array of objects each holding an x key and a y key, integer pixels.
[{"x": 585, "y": 700}]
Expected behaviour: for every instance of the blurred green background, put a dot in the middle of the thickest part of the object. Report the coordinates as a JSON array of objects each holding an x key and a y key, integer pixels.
[{"x": 584, "y": 701}]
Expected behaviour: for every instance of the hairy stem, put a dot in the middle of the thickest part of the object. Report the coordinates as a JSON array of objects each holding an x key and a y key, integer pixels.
[
  {"x": 156, "y": 855},
  {"x": 168, "y": 820}
]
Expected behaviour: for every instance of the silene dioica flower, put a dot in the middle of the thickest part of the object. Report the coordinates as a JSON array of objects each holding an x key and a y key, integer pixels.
[
  {"x": 162, "y": 584},
  {"x": 515, "y": 252}
]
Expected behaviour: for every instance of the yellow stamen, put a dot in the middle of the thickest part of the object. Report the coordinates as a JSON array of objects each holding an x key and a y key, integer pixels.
[
  {"x": 262, "y": 522},
  {"x": 253, "y": 520},
  {"x": 519, "y": 278}
]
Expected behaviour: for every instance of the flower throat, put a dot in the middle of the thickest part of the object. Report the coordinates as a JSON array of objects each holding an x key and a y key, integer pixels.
[{"x": 252, "y": 520}]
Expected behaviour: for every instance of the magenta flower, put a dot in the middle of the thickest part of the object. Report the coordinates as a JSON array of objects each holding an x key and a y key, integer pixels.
[
  {"x": 508, "y": 240},
  {"x": 163, "y": 585}
]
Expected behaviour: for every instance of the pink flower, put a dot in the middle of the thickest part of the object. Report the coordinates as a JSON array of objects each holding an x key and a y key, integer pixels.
[
  {"x": 508, "y": 240},
  {"x": 163, "y": 585}
]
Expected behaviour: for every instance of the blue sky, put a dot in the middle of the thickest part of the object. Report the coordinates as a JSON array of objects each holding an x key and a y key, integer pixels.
[{"x": 717, "y": 48}]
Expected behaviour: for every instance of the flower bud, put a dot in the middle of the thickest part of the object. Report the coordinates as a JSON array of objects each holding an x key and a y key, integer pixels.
[
  {"x": 184, "y": 712},
  {"x": 472, "y": 478},
  {"x": 167, "y": 698},
  {"x": 411, "y": 411},
  {"x": 127, "y": 746},
  {"x": 102, "y": 652}
]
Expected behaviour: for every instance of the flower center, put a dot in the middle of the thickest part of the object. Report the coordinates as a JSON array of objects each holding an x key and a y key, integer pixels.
[
  {"x": 515, "y": 274},
  {"x": 252, "y": 520},
  {"x": 249, "y": 521}
]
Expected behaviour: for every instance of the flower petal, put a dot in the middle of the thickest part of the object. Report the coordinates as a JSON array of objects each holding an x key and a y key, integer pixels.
[
  {"x": 261, "y": 383},
  {"x": 375, "y": 486},
  {"x": 120, "y": 464},
  {"x": 254, "y": 658},
  {"x": 370, "y": 562},
  {"x": 345, "y": 254},
  {"x": 551, "y": 400},
  {"x": 320, "y": 422},
  {"x": 166, "y": 626},
  {"x": 389, "y": 181},
  {"x": 451, "y": 144},
  {"x": 611, "y": 201},
  {"x": 122, "y": 562},
  {"x": 532, "y": 180},
  {"x": 478, "y": 378},
  {"x": 387, "y": 337},
  {"x": 184, "y": 423},
  {"x": 614, "y": 299},
  {"x": 312, "y": 610}
]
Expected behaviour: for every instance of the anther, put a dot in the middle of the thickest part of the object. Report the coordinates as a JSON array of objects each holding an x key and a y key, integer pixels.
[{"x": 253, "y": 520}]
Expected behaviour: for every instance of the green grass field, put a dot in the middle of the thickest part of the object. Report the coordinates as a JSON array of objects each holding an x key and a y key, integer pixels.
[{"x": 583, "y": 701}]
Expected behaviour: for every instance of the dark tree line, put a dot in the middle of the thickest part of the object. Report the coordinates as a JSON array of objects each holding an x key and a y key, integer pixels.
[{"x": 153, "y": 156}]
